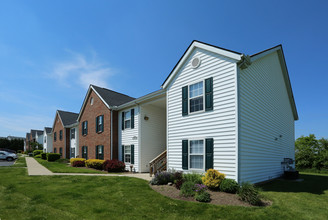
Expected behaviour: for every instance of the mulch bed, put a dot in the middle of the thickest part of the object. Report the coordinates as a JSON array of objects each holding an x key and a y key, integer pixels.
[{"x": 218, "y": 198}]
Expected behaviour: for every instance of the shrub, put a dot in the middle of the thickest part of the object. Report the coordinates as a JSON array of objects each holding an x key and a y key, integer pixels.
[
  {"x": 193, "y": 177},
  {"x": 200, "y": 188},
  {"x": 38, "y": 156},
  {"x": 53, "y": 157},
  {"x": 95, "y": 164},
  {"x": 162, "y": 178},
  {"x": 78, "y": 163},
  {"x": 248, "y": 193},
  {"x": 213, "y": 178},
  {"x": 178, "y": 180},
  {"x": 188, "y": 189},
  {"x": 19, "y": 151},
  {"x": 203, "y": 197},
  {"x": 229, "y": 186},
  {"x": 72, "y": 160},
  {"x": 114, "y": 166},
  {"x": 43, "y": 156},
  {"x": 37, "y": 152}
]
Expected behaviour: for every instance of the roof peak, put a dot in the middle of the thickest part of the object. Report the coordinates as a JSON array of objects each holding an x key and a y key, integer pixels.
[{"x": 110, "y": 90}]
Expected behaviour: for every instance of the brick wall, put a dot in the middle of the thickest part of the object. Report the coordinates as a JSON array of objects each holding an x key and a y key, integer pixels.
[
  {"x": 92, "y": 139},
  {"x": 59, "y": 143}
]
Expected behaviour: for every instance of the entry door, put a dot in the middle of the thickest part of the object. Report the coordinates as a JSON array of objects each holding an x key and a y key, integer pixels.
[{"x": 73, "y": 152}]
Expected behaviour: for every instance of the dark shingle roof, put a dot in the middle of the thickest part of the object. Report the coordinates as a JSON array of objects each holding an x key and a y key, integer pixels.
[
  {"x": 48, "y": 130},
  {"x": 112, "y": 98},
  {"x": 39, "y": 132},
  {"x": 33, "y": 133},
  {"x": 68, "y": 118}
]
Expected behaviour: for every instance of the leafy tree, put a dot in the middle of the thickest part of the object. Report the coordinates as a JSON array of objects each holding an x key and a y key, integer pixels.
[{"x": 35, "y": 146}]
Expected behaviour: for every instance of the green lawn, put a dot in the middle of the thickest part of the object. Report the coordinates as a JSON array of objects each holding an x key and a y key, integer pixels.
[
  {"x": 62, "y": 167},
  {"x": 20, "y": 162},
  {"x": 90, "y": 197}
]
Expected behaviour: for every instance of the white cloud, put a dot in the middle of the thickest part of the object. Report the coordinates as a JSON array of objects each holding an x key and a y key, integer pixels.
[{"x": 81, "y": 70}]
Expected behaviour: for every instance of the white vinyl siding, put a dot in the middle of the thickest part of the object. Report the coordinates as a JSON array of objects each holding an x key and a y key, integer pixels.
[
  {"x": 47, "y": 146},
  {"x": 219, "y": 124},
  {"x": 266, "y": 134},
  {"x": 75, "y": 141},
  {"x": 128, "y": 137}
]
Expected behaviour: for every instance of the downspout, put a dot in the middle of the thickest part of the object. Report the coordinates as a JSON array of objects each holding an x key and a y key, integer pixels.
[{"x": 110, "y": 133}]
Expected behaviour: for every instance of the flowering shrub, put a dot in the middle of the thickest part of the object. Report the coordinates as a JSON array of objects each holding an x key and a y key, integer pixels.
[
  {"x": 72, "y": 160},
  {"x": 213, "y": 178},
  {"x": 95, "y": 164},
  {"x": 114, "y": 166},
  {"x": 199, "y": 188},
  {"x": 78, "y": 164},
  {"x": 162, "y": 178}
]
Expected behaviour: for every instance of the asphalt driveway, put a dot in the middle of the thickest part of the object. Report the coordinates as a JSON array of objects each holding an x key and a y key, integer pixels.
[{"x": 4, "y": 163}]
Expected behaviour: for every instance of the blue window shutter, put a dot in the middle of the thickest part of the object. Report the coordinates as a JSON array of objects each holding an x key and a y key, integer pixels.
[
  {"x": 209, "y": 154},
  {"x": 185, "y": 154},
  {"x": 185, "y": 100},
  {"x": 132, "y": 154},
  {"x": 122, "y": 120},
  {"x": 209, "y": 94},
  {"x": 132, "y": 118},
  {"x": 122, "y": 156}
]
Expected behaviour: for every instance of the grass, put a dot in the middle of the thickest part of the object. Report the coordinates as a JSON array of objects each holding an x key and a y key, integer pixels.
[
  {"x": 62, "y": 167},
  {"x": 90, "y": 197},
  {"x": 20, "y": 162}
]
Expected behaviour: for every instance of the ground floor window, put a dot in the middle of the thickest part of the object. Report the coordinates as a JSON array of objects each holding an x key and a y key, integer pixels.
[
  {"x": 196, "y": 154},
  {"x": 85, "y": 152},
  {"x": 55, "y": 150},
  {"x": 127, "y": 154},
  {"x": 100, "y": 152},
  {"x": 61, "y": 151}
]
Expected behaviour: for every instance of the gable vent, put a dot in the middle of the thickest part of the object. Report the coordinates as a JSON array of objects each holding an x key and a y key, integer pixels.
[{"x": 195, "y": 62}]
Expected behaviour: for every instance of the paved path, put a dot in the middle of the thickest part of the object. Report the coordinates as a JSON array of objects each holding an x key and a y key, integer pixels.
[{"x": 36, "y": 169}]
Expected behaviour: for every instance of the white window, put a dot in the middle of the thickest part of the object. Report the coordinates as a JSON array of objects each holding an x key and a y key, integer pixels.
[
  {"x": 127, "y": 154},
  {"x": 196, "y": 97},
  {"x": 127, "y": 119},
  {"x": 72, "y": 133},
  {"x": 91, "y": 101},
  {"x": 196, "y": 154}
]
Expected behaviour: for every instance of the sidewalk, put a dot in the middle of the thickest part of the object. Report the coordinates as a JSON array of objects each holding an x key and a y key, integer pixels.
[{"x": 36, "y": 169}]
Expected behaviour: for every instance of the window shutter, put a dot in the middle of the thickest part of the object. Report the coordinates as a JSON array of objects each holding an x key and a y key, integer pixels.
[
  {"x": 209, "y": 154},
  {"x": 97, "y": 152},
  {"x": 86, "y": 156},
  {"x": 97, "y": 121},
  {"x": 82, "y": 128},
  {"x": 132, "y": 154},
  {"x": 82, "y": 153},
  {"x": 185, "y": 154},
  {"x": 86, "y": 130},
  {"x": 185, "y": 100},
  {"x": 102, "y": 124},
  {"x": 122, "y": 156},
  {"x": 209, "y": 94},
  {"x": 132, "y": 118},
  {"x": 122, "y": 120},
  {"x": 102, "y": 152}
]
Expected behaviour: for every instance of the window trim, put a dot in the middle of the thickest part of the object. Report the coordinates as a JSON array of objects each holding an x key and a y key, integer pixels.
[
  {"x": 100, "y": 125},
  {"x": 127, "y": 119},
  {"x": 55, "y": 136},
  {"x": 204, "y": 152},
  {"x": 103, "y": 152},
  {"x": 61, "y": 135},
  {"x": 128, "y": 145},
  {"x": 84, "y": 130},
  {"x": 71, "y": 134},
  {"x": 203, "y": 95}
]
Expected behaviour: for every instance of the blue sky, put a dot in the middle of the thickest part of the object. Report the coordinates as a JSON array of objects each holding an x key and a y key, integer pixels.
[{"x": 50, "y": 51}]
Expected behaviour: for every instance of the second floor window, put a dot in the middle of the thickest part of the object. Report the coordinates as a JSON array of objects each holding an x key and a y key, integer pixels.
[
  {"x": 55, "y": 136},
  {"x": 61, "y": 135},
  {"x": 127, "y": 119},
  {"x": 73, "y": 133},
  {"x": 100, "y": 123},
  {"x": 196, "y": 97},
  {"x": 85, "y": 128}
]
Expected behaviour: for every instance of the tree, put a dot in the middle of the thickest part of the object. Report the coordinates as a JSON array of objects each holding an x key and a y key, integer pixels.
[{"x": 35, "y": 146}]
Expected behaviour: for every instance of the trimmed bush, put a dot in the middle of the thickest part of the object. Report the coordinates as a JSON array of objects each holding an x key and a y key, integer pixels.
[
  {"x": 72, "y": 160},
  {"x": 37, "y": 152},
  {"x": 53, "y": 157},
  {"x": 248, "y": 193},
  {"x": 193, "y": 177},
  {"x": 229, "y": 186},
  {"x": 95, "y": 164},
  {"x": 203, "y": 197},
  {"x": 44, "y": 156},
  {"x": 78, "y": 163},
  {"x": 188, "y": 189},
  {"x": 38, "y": 156},
  {"x": 162, "y": 178},
  {"x": 114, "y": 166},
  {"x": 19, "y": 151},
  {"x": 213, "y": 178}
]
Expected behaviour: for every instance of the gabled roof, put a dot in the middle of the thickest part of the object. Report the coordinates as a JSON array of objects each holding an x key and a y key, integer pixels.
[
  {"x": 33, "y": 133},
  {"x": 67, "y": 118},
  {"x": 109, "y": 97},
  {"x": 48, "y": 130},
  {"x": 198, "y": 44},
  {"x": 39, "y": 133}
]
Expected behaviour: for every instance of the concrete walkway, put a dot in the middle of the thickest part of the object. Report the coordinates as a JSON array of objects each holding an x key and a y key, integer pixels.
[{"x": 36, "y": 169}]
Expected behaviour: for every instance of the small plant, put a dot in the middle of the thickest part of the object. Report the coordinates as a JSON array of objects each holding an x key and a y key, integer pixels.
[
  {"x": 229, "y": 186},
  {"x": 37, "y": 152},
  {"x": 213, "y": 178},
  {"x": 53, "y": 157},
  {"x": 203, "y": 197},
  {"x": 72, "y": 160},
  {"x": 248, "y": 193},
  {"x": 200, "y": 188},
  {"x": 37, "y": 156},
  {"x": 114, "y": 166},
  {"x": 193, "y": 177},
  {"x": 43, "y": 156},
  {"x": 188, "y": 189},
  {"x": 178, "y": 180},
  {"x": 95, "y": 164},
  {"x": 78, "y": 164},
  {"x": 162, "y": 178}
]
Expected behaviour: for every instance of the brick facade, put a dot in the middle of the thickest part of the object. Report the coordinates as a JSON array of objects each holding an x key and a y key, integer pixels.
[
  {"x": 92, "y": 139},
  {"x": 58, "y": 126}
]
